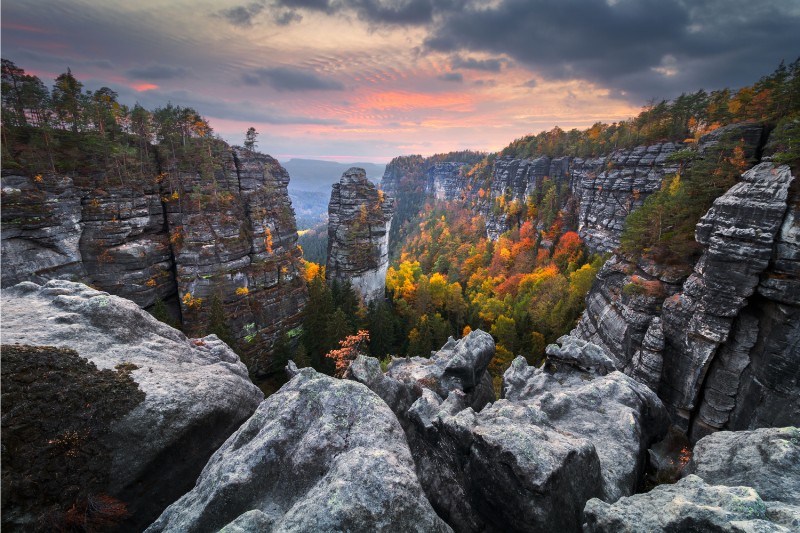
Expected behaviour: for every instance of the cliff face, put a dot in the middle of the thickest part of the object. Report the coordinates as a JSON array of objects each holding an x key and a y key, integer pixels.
[
  {"x": 720, "y": 346},
  {"x": 445, "y": 181},
  {"x": 359, "y": 219},
  {"x": 219, "y": 246}
]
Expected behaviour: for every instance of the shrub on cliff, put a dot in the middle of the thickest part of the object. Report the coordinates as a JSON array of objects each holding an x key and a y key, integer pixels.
[{"x": 58, "y": 410}]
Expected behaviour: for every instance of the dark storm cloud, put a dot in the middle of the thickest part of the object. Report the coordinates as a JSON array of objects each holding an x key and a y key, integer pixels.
[
  {"x": 380, "y": 12},
  {"x": 286, "y": 79},
  {"x": 644, "y": 48},
  {"x": 156, "y": 71},
  {"x": 488, "y": 65},
  {"x": 242, "y": 15},
  {"x": 452, "y": 76}
]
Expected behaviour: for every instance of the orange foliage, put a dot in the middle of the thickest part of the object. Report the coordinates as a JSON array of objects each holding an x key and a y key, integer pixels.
[{"x": 350, "y": 348}]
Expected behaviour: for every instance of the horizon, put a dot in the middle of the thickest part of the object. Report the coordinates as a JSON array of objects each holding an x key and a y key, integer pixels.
[{"x": 366, "y": 81}]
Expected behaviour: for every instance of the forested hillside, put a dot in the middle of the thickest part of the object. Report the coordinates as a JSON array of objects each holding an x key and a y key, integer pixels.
[{"x": 527, "y": 286}]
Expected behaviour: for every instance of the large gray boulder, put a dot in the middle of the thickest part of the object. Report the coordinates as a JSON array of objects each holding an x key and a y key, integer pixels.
[
  {"x": 321, "y": 454},
  {"x": 691, "y": 505},
  {"x": 563, "y": 434},
  {"x": 197, "y": 391},
  {"x": 766, "y": 459},
  {"x": 577, "y": 396}
]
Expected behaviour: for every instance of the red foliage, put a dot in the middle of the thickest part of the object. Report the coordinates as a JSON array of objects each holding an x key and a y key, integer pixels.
[{"x": 350, "y": 348}]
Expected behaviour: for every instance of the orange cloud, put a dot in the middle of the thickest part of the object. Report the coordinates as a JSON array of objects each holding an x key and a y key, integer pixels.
[
  {"x": 141, "y": 87},
  {"x": 405, "y": 101}
]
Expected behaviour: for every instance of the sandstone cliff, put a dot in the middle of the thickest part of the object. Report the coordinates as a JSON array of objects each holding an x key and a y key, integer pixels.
[
  {"x": 720, "y": 346},
  {"x": 220, "y": 242},
  {"x": 359, "y": 219}
]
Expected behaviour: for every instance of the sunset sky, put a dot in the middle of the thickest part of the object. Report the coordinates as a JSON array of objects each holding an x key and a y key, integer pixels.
[{"x": 366, "y": 80}]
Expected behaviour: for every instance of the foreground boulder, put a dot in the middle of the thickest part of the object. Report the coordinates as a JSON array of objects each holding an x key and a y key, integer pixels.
[
  {"x": 196, "y": 391},
  {"x": 619, "y": 415},
  {"x": 766, "y": 459},
  {"x": 321, "y": 454},
  {"x": 529, "y": 462},
  {"x": 691, "y": 505}
]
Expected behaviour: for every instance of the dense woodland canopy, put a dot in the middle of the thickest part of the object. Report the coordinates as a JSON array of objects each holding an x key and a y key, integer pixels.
[{"x": 527, "y": 288}]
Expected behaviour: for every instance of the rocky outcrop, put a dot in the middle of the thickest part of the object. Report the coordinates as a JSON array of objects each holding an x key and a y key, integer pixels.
[
  {"x": 738, "y": 233},
  {"x": 236, "y": 255},
  {"x": 766, "y": 459},
  {"x": 359, "y": 219},
  {"x": 737, "y": 481},
  {"x": 319, "y": 455},
  {"x": 691, "y": 505},
  {"x": 196, "y": 391},
  {"x": 527, "y": 462},
  {"x": 446, "y": 181},
  {"x": 717, "y": 346},
  {"x": 515, "y": 180},
  {"x": 611, "y": 187},
  {"x": 225, "y": 236}
]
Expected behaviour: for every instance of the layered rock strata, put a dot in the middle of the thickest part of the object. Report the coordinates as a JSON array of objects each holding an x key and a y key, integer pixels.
[
  {"x": 446, "y": 181},
  {"x": 196, "y": 391},
  {"x": 720, "y": 346},
  {"x": 528, "y": 462},
  {"x": 225, "y": 237},
  {"x": 359, "y": 220},
  {"x": 321, "y": 454}
]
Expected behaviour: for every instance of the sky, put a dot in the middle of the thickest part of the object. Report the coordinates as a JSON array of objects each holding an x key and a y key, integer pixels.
[{"x": 367, "y": 80}]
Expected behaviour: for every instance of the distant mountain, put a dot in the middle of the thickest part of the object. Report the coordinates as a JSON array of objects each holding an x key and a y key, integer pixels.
[{"x": 317, "y": 176}]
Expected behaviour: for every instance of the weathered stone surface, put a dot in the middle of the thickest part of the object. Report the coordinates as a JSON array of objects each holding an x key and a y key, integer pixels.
[
  {"x": 766, "y": 459},
  {"x": 197, "y": 391},
  {"x": 609, "y": 188},
  {"x": 226, "y": 236},
  {"x": 738, "y": 233},
  {"x": 620, "y": 416},
  {"x": 359, "y": 220},
  {"x": 41, "y": 223},
  {"x": 319, "y": 455},
  {"x": 622, "y": 312},
  {"x": 719, "y": 346},
  {"x": 235, "y": 246},
  {"x": 689, "y": 505},
  {"x": 446, "y": 181},
  {"x": 530, "y": 461}
]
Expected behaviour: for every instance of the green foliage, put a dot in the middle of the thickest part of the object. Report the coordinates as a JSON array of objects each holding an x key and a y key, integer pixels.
[{"x": 663, "y": 227}]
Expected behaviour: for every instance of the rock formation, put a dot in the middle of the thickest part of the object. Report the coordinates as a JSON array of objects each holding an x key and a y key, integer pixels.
[
  {"x": 527, "y": 462},
  {"x": 359, "y": 219},
  {"x": 717, "y": 346},
  {"x": 226, "y": 238},
  {"x": 766, "y": 459},
  {"x": 196, "y": 391},
  {"x": 446, "y": 181},
  {"x": 690, "y": 505},
  {"x": 738, "y": 481},
  {"x": 321, "y": 454}
]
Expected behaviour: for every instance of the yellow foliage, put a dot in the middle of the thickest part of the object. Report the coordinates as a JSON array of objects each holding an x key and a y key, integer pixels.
[
  {"x": 675, "y": 185},
  {"x": 466, "y": 331},
  {"x": 312, "y": 270},
  {"x": 268, "y": 241},
  {"x": 242, "y": 291},
  {"x": 192, "y": 302},
  {"x": 151, "y": 282}
]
